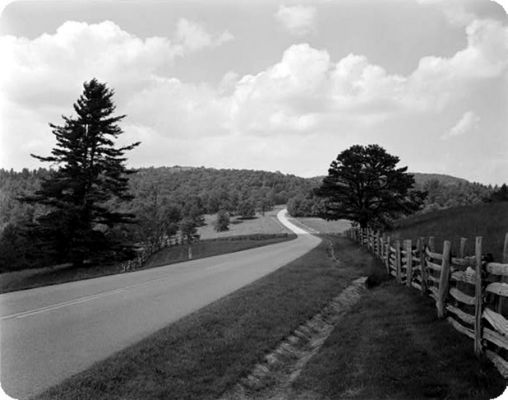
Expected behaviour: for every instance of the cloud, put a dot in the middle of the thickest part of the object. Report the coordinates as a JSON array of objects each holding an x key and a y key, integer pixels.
[
  {"x": 298, "y": 20},
  {"x": 465, "y": 124},
  {"x": 306, "y": 99},
  {"x": 502, "y": 3},
  {"x": 193, "y": 36},
  {"x": 461, "y": 13},
  {"x": 78, "y": 51}
]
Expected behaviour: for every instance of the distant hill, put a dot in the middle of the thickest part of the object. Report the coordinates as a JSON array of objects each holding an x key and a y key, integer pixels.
[
  {"x": 210, "y": 189},
  {"x": 207, "y": 189},
  {"x": 422, "y": 178}
]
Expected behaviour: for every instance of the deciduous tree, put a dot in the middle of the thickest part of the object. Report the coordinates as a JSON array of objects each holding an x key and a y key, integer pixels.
[
  {"x": 365, "y": 185},
  {"x": 222, "y": 221}
]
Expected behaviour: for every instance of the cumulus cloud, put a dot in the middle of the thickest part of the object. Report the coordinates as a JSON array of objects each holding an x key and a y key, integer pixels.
[
  {"x": 503, "y": 3},
  {"x": 193, "y": 36},
  {"x": 465, "y": 124},
  {"x": 298, "y": 19},
  {"x": 306, "y": 98},
  {"x": 78, "y": 51}
]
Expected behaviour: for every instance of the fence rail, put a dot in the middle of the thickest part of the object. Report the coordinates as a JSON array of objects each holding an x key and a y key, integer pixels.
[{"x": 469, "y": 290}]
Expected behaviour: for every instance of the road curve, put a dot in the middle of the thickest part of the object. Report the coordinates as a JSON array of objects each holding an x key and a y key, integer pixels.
[{"x": 53, "y": 332}]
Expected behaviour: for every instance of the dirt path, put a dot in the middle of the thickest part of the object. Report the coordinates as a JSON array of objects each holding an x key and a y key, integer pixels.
[{"x": 271, "y": 379}]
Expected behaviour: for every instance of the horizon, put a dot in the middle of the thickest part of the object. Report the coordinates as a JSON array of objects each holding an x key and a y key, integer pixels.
[
  {"x": 258, "y": 170},
  {"x": 273, "y": 86}
]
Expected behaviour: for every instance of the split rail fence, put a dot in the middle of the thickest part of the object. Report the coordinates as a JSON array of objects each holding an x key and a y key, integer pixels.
[{"x": 469, "y": 290}]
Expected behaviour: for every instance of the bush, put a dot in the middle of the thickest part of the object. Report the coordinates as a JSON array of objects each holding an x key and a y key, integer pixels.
[{"x": 222, "y": 222}]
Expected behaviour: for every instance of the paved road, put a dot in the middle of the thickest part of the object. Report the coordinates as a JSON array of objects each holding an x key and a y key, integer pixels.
[{"x": 51, "y": 333}]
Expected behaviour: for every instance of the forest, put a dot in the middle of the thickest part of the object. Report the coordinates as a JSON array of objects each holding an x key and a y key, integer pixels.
[
  {"x": 167, "y": 201},
  {"x": 172, "y": 201}
]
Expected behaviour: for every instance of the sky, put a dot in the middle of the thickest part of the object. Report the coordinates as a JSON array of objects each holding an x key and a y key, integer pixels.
[{"x": 265, "y": 84}]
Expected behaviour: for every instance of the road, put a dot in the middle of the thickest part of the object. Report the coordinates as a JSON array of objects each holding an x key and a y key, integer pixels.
[{"x": 53, "y": 332}]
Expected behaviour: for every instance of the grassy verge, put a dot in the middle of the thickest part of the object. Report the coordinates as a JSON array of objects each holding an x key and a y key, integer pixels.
[
  {"x": 27, "y": 279},
  {"x": 489, "y": 220},
  {"x": 322, "y": 226},
  {"x": 261, "y": 223},
  {"x": 391, "y": 346},
  {"x": 214, "y": 247},
  {"x": 205, "y": 353}
]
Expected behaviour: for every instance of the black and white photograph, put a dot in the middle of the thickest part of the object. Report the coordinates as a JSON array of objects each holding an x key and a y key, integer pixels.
[{"x": 253, "y": 199}]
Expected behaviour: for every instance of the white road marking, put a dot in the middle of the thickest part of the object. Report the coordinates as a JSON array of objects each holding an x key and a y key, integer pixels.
[{"x": 56, "y": 306}]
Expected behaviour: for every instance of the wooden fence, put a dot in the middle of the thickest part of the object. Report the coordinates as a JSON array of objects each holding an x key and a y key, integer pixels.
[
  {"x": 147, "y": 251},
  {"x": 469, "y": 290}
]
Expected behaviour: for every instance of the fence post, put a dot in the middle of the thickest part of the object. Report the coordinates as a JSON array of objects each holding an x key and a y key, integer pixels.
[
  {"x": 462, "y": 249},
  {"x": 501, "y": 300},
  {"x": 397, "y": 260},
  {"x": 387, "y": 255},
  {"x": 478, "y": 298},
  {"x": 381, "y": 246},
  {"x": 431, "y": 245},
  {"x": 423, "y": 265},
  {"x": 505, "y": 249},
  {"x": 443, "y": 279},
  {"x": 409, "y": 262}
]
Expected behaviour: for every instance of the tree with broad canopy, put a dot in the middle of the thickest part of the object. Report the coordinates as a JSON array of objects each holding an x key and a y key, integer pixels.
[{"x": 364, "y": 185}]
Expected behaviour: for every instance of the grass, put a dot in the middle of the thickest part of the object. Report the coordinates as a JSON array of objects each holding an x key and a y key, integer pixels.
[
  {"x": 27, "y": 279},
  {"x": 322, "y": 226},
  {"x": 489, "y": 220},
  {"x": 206, "y": 353},
  {"x": 391, "y": 346},
  {"x": 267, "y": 223},
  {"x": 214, "y": 247}
]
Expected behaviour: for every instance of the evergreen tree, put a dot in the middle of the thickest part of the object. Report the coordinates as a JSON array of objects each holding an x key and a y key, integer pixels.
[
  {"x": 91, "y": 172},
  {"x": 364, "y": 185},
  {"x": 500, "y": 194}
]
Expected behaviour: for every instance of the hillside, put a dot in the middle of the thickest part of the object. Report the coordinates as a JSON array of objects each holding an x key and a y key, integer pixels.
[
  {"x": 211, "y": 189},
  {"x": 489, "y": 220},
  {"x": 422, "y": 178}
]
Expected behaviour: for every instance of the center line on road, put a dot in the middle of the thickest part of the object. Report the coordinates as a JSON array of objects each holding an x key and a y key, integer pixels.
[{"x": 56, "y": 306}]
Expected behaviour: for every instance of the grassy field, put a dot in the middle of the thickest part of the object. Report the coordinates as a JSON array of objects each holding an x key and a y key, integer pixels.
[
  {"x": 204, "y": 354},
  {"x": 267, "y": 223},
  {"x": 27, "y": 279},
  {"x": 322, "y": 226},
  {"x": 489, "y": 220}
]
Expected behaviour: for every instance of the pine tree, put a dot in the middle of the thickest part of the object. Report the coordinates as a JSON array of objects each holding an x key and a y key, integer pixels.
[{"x": 91, "y": 172}]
